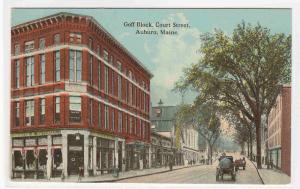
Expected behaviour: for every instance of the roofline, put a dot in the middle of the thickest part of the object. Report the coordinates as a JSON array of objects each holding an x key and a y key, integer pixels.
[{"x": 99, "y": 25}]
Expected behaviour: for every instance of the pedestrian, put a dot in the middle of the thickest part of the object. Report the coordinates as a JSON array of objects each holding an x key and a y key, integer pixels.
[{"x": 80, "y": 173}]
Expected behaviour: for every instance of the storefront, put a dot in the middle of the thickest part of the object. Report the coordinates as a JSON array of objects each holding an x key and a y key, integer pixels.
[
  {"x": 65, "y": 154},
  {"x": 137, "y": 156}
]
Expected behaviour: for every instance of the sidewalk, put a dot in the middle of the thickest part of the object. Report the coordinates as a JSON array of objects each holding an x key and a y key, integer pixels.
[
  {"x": 273, "y": 176},
  {"x": 110, "y": 177}
]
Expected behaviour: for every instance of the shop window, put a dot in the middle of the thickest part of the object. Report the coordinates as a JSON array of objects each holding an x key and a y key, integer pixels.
[
  {"x": 29, "y": 46},
  {"x": 107, "y": 154},
  {"x": 75, "y": 109},
  {"x": 75, "y": 65},
  {"x": 30, "y": 160},
  {"x": 18, "y": 160},
  {"x": 57, "y": 159},
  {"x": 42, "y": 159}
]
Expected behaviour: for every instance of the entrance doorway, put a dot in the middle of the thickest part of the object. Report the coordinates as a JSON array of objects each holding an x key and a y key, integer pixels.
[{"x": 75, "y": 154}]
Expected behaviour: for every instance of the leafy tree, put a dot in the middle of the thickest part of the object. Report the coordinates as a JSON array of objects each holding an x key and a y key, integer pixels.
[{"x": 242, "y": 71}]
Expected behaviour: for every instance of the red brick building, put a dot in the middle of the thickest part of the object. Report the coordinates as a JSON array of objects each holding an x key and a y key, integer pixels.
[
  {"x": 279, "y": 131},
  {"x": 79, "y": 100}
]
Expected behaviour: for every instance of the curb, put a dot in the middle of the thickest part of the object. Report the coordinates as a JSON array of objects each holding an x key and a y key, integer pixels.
[
  {"x": 135, "y": 176},
  {"x": 257, "y": 172}
]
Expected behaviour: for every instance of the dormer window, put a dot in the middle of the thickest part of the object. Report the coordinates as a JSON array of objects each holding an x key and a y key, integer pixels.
[
  {"x": 75, "y": 37},
  {"x": 29, "y": 46}
]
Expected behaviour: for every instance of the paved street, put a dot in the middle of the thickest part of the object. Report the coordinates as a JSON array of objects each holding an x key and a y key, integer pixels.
[{"x": 204, "y": 174}]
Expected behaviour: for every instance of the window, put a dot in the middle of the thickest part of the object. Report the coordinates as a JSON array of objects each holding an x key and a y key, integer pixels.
[
  {"x": 30, "y": 71},
  {"x": 98, "y": 50},
  {"x": 42, "y": 111},
  {"x": 91, "y": 112},
  {"x": 29, "y": 112},
  {"x": 106, "y": 79},
  {"x": 75, "y": 37},
  {"x": 17, "y": 73},
  {"x": 75, "y": 109},
  {"x": 17, "y": 49},
  {"x": 29, "y": 46},
  {"x": 57, "y": 65},
  {"x": 91, "y": 70},
  {"x": 106, "y": 117},
  {"x": 57, "y": 110},
  {"x": 120, "y": 124},
  {"x": 17, "y": 113},
  {"x": 119, "y": 87},
  {"x": 112, "y": 82},
  {"x": 42, "y": 43},
  {"x": 75, "y": 65},
  {"x": 119, "y": 66},
  {"x": 90, "y": 43},
  {"x": 56, "y": 39},
  {"x": 111, "y": 60},
  {"x": 144, "y": 101},
  {"x": 141, "y": 134},
  {"x": 134, "y": 126},
  {"x": 99, "y": 75},
  {"x": 126, "y": 124},
  {"x": 42, "y": 68},
  {"x": 99, "y": 115},
  {"x": 130, "y": 125},
  {"x": 113, "y": 120},
  {"x": 105, "y": 55},
  {"x": 130, "y": 93}
]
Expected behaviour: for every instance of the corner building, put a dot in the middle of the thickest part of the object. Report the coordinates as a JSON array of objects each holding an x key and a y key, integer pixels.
[{"x": 79, "y": 100}]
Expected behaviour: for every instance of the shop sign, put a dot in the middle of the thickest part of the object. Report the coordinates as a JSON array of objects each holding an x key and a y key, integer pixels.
[
  {"x": 57, "y": 140},
  {"x": 75, "y": 148},
  {"x": 18, "y": 142},
  {"x": 42, "y": 141},
  {"x": 32, "y": 134},
  {"x": 30, "y": 142}
]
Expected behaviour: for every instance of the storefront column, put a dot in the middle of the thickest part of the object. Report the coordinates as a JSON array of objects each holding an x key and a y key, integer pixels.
[
  {"x": 116, "y": 161},
  {"x": 49, "y": 157},
  {"x": 149, "y": 157},
  {"x": 86, "y": 154},
  {"x": 94, "y": 155},
  {"x": 123, "y": 156},
  {"x": 65, "y": 153}
]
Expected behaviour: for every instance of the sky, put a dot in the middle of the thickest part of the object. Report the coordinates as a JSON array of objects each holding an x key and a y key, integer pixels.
[{"x": 167, "y": 55}]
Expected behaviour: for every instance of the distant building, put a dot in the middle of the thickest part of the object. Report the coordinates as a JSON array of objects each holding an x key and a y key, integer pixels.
[
  {"x": 279, "y": 131},
  {"x": 161, "y": 149},
  {"x": 162, "y": 119}
]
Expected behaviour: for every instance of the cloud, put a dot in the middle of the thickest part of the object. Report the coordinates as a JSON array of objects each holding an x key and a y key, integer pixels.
[
  {"x": 124, "y": 34},
  {"x": 170, "y": 55}
]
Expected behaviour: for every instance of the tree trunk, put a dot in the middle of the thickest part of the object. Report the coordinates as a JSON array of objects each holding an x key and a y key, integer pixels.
[
  {"x": 211, "y": 153},
  {"x": 251, "y": 146},
  {"x": 258, "y": 141},
  {"x": 248, "y": 147}
]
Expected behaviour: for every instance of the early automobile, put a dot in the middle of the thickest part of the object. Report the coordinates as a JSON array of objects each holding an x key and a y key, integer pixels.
[
  {"x": 226, "y": 166},
  {"x": 240, "y": 163}
]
